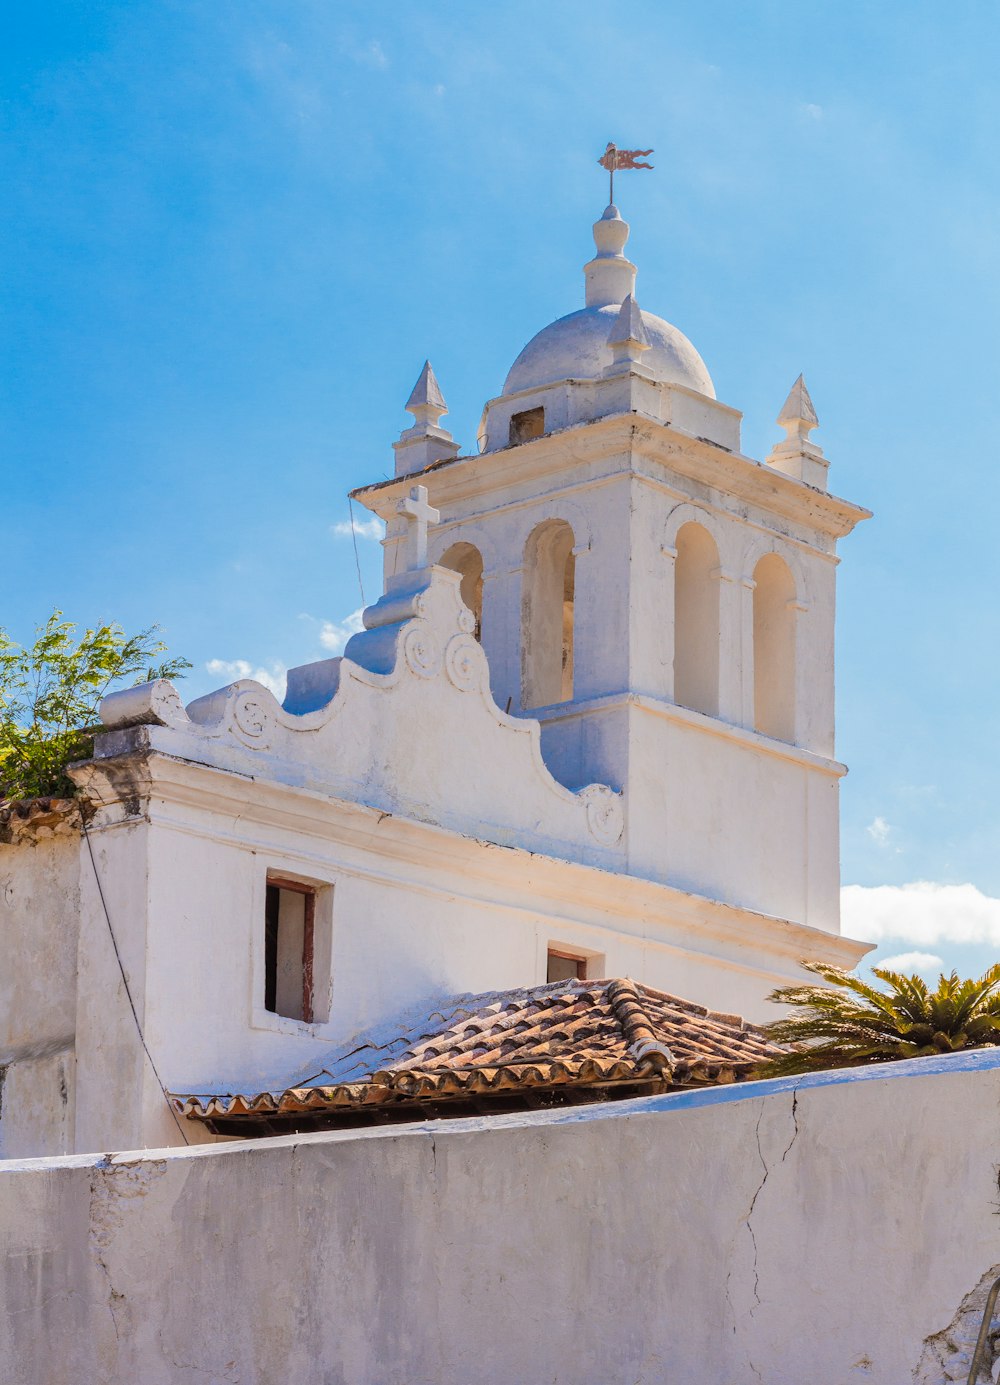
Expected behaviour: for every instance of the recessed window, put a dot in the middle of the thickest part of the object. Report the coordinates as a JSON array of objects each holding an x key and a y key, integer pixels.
[
  {"x": 547, "y": 619},
  {"x": 467, "y": 561},
  {"x": 290, "y": 949},
  {"x": 565, "y": 966},
  {"x": 527, "y": 425}
]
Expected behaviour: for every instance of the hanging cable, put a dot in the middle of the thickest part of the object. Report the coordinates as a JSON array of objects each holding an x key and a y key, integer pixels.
[
  {"x": 357, "y": 559},
  {"x": 128, "y": 989}
]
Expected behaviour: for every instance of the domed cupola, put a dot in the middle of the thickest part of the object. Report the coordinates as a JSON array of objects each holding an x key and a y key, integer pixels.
[
  {"x": 587, "y": 346},
  {"x": 576, "y": 347}
]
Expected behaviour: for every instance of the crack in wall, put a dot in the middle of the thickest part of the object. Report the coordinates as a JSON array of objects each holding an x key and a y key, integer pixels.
[
  {"x": 110, "y": 1184},
  {"x": 748, "y": 1219}
]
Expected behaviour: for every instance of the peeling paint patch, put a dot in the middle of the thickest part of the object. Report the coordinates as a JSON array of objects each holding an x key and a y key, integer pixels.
[{"x": 947, "y": 1355}]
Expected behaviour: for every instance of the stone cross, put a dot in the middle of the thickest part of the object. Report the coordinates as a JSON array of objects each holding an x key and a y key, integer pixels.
[{"x": 420, "y": 515}]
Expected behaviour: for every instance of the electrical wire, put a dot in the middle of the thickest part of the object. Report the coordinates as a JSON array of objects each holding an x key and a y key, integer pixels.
[
  {"x": 357, "y": 560},
  {"x": 128, "y": 989}
]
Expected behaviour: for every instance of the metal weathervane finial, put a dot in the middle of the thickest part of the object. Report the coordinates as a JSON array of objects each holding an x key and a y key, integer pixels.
[{"x": 613, "y": 158}]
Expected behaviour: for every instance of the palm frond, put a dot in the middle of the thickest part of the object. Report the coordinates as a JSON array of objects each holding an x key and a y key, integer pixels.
[{"x": 847, "y": 1021}]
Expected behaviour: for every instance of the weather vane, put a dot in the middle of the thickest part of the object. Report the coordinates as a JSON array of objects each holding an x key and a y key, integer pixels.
[{"x": 614, "y": 157}]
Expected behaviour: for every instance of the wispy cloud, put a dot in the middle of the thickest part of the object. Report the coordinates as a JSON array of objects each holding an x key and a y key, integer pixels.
[
  {"x": 919, "y": 962},
  {"x": 333, "y": 635},
  {"x": 923, "y": 913},
  {"x": 370, "y": 54},
  {"x": 372, "y": 529},
  {"x": 879, "y": 831},
  {"x": 273, "y": 676},
  {"x": 812, "y": 111}
]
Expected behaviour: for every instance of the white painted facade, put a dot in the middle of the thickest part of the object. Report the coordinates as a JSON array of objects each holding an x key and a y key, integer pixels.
[
  {"x": 480, "y": 779},
  {"x": 816, "y": 1231}
]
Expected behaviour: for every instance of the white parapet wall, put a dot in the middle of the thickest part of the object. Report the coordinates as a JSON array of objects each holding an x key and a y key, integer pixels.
[
  {"x": 812, "y": 1231},
  {"x": 39, "y": 929}
]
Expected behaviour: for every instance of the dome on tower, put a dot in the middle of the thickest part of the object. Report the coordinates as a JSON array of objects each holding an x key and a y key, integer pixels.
[{"x": 577, "y": 346}]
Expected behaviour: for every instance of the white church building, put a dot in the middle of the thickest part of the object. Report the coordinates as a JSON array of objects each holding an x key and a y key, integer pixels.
[
  {"x": 587, "y": 732},
  {"x": 476, "y": 927}
]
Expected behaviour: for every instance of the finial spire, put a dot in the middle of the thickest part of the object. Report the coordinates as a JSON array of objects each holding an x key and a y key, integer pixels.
[
  {"x": 628, "y": 337},
  {"x": 798, "y": 414},
  {"x": 797, "y": 455},
  {"x": 426, "y": 402},
  {"x": 609, "y": 276},
  {"x": 426, "y": 441}
]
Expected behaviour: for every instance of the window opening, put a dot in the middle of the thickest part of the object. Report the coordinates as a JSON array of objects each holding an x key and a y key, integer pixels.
[
  {"x": 548, "y": 616},
  {"x": 467, "y": 561},
  {"x": 774, "y": 648},
  {"x": 525, "y": 426},
  {"x": 565, "y": 966},
  {"x": 289, "y": 944},
  {"x": 696, "y": 620}
]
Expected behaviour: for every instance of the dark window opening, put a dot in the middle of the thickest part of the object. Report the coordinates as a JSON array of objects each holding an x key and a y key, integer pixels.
[
  {"x": 289, "y": 939},
  {"x": 565, "y": 966},
  {"x": 467, "y": 561},
  {"x": 524, "y": 427}
]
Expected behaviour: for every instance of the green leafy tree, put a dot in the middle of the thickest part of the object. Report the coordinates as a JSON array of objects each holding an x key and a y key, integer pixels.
[
  {"x": 50, "y": 692},
  {"x": 847, "y": 1022}
]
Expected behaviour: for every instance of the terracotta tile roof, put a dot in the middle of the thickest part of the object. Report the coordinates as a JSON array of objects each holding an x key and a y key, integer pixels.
[{"x": 569, "y": 1040}]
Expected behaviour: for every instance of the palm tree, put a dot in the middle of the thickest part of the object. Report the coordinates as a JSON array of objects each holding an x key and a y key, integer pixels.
[{"x": 847, "y": 1023}]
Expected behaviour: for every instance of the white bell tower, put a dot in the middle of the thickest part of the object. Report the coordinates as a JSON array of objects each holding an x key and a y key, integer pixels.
[{"x": 661, "y": 603}]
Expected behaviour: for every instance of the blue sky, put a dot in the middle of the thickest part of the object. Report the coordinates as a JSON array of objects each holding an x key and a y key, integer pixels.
[{"x": 233, "y": 232}]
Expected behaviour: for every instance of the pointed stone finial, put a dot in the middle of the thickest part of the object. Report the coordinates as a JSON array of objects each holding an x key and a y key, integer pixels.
[
  {"x": 798, "y": 416},
  {"x": 426, "y": 402},
  {"x": 628, "y": 337},
  {"x": 426, "y": 441},
  {"x": 796, "y": 455},
  {"x": 609, "y": 276}
]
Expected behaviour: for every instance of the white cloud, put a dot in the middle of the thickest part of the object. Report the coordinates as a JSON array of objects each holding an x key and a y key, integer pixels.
[
  {"x": 812, "y": 111},
  {"x": 364, "y": 528},
  {"x": 370, "y": 54},
  {"x": 273, "y": 677},
  {"x": 922, "y": 913},
  {"x": 909, "y": 962},
  {"x": 334, "y": 635},
  {"x": 879, "y": 831}
]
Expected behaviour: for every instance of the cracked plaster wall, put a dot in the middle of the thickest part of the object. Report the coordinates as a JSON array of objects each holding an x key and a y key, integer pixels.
[
  {"x": 826, "y": 1231},
  {"x": 39, "y": 931}
]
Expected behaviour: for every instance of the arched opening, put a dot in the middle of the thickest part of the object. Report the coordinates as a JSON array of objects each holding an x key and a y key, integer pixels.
[
  {"x": 696, "y": 620},
  {"x": 774, "y": 648},
  {"x": 547, "y": 615},
  {"x": 467, "y": 561}
]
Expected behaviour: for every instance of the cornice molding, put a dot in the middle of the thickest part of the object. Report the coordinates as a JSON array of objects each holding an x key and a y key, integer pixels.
[
  {"x": 201, "y": 800},
  {"x": 458, "y": 480}
]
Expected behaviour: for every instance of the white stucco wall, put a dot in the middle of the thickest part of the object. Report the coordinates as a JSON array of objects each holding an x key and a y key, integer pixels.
[
  {"x": 418, "y": 912},
  {"x": 39, "y": 928},
  {"x": 811, "y": 1232}
]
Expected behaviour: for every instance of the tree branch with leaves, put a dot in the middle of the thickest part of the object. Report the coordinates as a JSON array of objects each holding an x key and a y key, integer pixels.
[{"x": 50, "y": 692}]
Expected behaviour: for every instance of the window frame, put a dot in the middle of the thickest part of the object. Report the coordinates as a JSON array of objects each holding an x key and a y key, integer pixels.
[
  {"x": 281, "y": 882},
  {"x": 325, "y": 890}
]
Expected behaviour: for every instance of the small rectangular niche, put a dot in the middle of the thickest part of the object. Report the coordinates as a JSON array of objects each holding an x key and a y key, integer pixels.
[
  {"x": 566, "y": 966},
  {"x": 527, "y": 425},
  {"x": 297, "y": 923}
]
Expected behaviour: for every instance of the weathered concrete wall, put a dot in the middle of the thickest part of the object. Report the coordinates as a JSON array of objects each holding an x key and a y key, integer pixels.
[
  {"x": 817, "y": 1232},
  {"x": 39, "y": 930}
]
